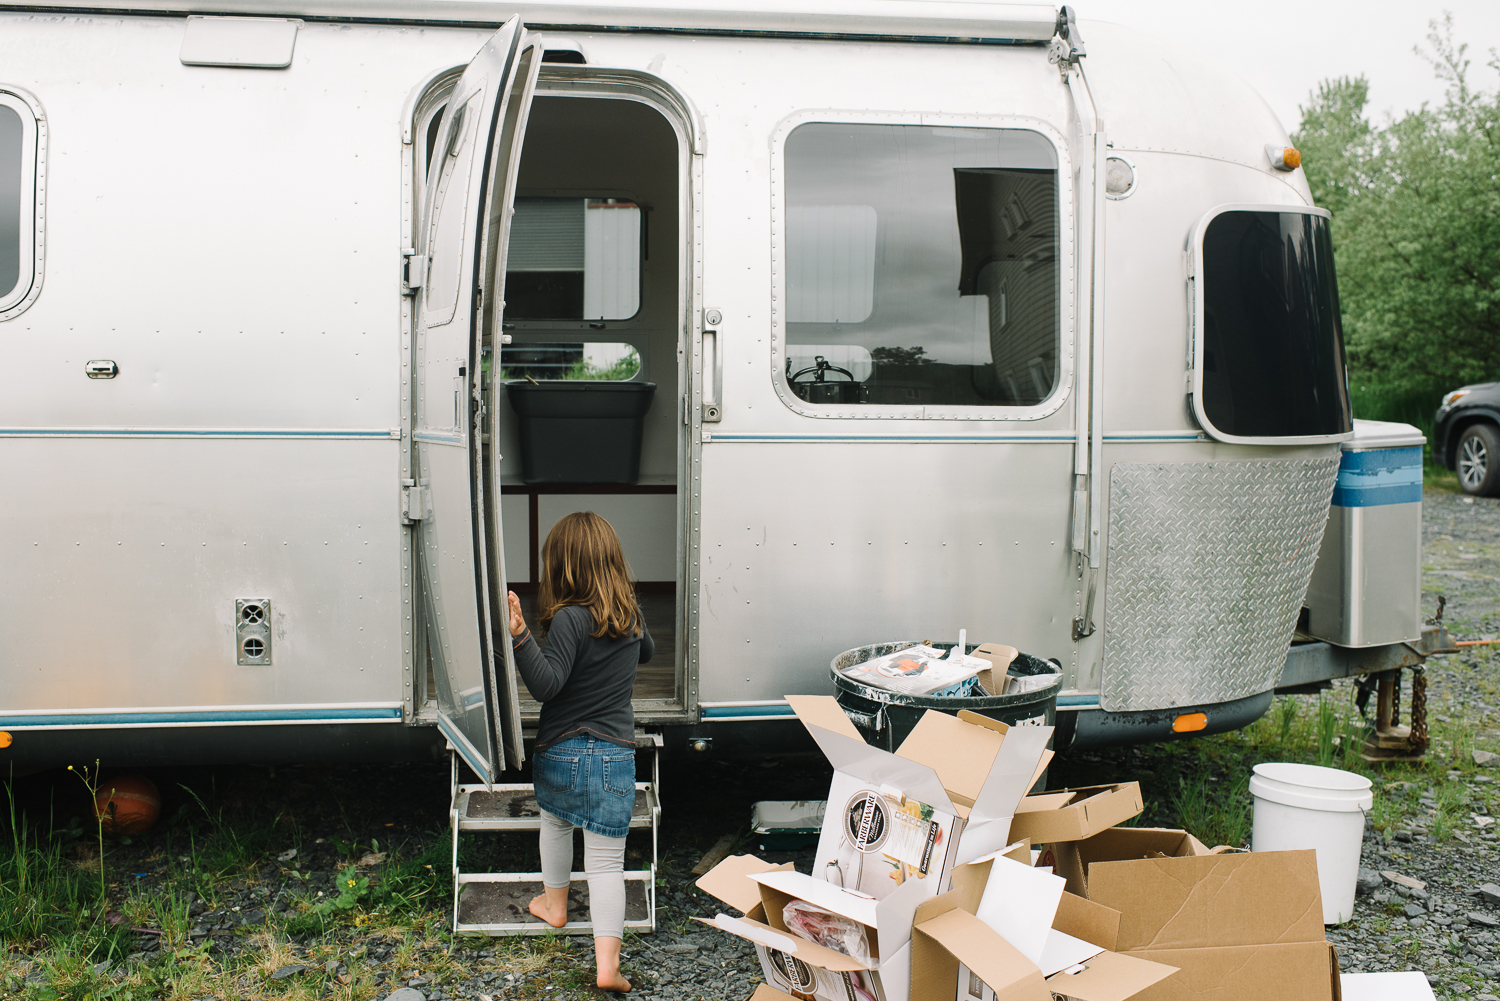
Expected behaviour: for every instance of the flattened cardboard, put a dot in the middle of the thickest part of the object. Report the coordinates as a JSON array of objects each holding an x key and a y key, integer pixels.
[
  {"x": 1251, "y": 898},
  {"x": 994, "y": 678},
  {"x": 1071, "y": 859},
  {"x": 1087, "y": 812},
  {"x": 1236, "y": 925}
]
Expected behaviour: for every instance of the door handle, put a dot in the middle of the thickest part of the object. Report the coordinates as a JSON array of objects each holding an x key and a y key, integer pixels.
[{"x": 713, "y": 367}]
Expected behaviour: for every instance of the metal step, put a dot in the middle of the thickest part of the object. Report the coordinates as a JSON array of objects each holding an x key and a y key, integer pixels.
[
  {"x": 512, "y": 807},
  {"x": 495, "y": 903}
]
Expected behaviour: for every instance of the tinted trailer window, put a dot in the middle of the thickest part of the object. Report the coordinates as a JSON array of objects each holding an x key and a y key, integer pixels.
[
  {"x": 1272, "y": 362},
  {"x": 921, "y": 266}
]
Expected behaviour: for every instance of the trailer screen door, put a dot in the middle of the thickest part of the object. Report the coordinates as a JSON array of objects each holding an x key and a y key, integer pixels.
[{"x": 470, "y": 190}]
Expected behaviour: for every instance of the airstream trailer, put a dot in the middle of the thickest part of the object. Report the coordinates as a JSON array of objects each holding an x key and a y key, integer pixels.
[{"x": 949, "y": 321}]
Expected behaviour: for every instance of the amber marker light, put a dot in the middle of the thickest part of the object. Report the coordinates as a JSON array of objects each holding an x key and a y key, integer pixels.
[
  {"x": 1189, "y": 722},
  {"x": 4, "y": 739},
  {"x": 1284, "y": 157}
]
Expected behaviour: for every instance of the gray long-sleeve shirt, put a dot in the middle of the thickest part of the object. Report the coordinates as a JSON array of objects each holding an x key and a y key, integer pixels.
[{"x": 584, "y": 684}]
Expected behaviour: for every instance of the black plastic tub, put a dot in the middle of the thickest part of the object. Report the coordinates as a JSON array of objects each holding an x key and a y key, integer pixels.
[
  {"x": 884, "y": 718},
  {"x": 580, "y": 432}
]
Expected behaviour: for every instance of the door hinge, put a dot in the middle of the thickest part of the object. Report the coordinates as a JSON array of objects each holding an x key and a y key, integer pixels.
[
  {"x": 415, "y": 272},
  {"x": 416, "y": 503}
]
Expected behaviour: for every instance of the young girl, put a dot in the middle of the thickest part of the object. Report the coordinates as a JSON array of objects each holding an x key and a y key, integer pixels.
[{"x": 584, "y": 763}]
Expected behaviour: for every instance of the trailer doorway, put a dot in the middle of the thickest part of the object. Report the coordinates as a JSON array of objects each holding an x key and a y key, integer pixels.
[{"x": 594, "y": 295}]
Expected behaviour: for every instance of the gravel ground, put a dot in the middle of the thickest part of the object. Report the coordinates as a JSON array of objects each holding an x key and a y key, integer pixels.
[{"x": 241, "y": 930}]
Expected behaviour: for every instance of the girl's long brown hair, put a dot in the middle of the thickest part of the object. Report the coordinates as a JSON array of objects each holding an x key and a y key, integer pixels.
[{"x": 583, "y": 564}]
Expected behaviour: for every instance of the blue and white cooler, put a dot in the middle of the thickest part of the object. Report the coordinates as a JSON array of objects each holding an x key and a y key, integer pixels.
[{"x": 1366, "y": 589}]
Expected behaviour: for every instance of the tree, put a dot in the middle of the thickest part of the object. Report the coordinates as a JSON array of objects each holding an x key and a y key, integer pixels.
[{"x": 1416, "y": 206}]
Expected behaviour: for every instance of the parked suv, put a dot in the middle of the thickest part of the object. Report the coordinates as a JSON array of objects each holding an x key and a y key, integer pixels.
[{"x": 1466, "y": 437}]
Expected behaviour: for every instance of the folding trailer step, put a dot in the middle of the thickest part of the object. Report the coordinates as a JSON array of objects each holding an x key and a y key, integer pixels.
[
  {"x": 512, "y": 807},
  {"x": 496, "y": 904}
]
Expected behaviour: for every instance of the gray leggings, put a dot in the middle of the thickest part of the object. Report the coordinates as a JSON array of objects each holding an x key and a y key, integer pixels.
[{"x": 603, "y": 862}]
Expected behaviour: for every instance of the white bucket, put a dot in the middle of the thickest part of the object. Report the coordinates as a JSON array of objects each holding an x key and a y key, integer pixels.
[{"x": 1306, "y": 806}]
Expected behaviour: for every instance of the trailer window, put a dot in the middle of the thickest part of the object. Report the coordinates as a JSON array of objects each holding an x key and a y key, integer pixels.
[
  {"x": 921, "y": 265},
  {"x": 18, "y": 194},
  {"x": 1272, "y": 362},
  {"x": 573, "y": 259},
  {"x": 593, "y": 362}
]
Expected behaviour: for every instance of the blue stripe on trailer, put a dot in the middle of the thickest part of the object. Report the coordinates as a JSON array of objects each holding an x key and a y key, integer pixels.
[
  {"x": 374, "y": 715},
  {"x": 195, "y": 433},
  {"x": 735, "y": 712},
  {"x": 1379, "y": 476},
  {"x": 1079, "y": 701}
]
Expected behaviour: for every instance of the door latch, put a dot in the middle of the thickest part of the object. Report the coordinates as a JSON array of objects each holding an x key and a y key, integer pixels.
[
  {"x": 415, "y": 271},
  {"x": 416, "y": 502}
]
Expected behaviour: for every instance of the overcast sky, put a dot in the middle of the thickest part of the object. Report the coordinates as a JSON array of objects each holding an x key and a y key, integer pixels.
[{"x": 1284, "y": 47}]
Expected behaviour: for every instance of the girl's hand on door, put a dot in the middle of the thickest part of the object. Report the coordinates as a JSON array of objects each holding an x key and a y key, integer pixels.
[{"x": 517, "y": 621}]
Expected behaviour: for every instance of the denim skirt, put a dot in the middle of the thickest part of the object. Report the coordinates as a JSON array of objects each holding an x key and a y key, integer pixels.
[{"x": 587, "y": 782}]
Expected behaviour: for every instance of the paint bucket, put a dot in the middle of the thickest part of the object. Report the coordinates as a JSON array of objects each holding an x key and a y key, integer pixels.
[{"x": 1307, "y": 806}]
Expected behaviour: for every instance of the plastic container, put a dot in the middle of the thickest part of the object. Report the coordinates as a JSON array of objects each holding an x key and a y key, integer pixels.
[
  {"x": 1307, "y": 806},
  {"x": 580, "y": 431},
  {"x": 1366, "y": 587},
  {"x": 884, "y": 718}
]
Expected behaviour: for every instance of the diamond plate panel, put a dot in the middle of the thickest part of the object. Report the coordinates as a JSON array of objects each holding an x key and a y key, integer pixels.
[{"x": 1208, "y": 565}]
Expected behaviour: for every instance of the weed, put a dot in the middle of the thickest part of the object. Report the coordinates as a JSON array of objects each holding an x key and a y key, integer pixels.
[
  {"x": 1286, "y": 719},
  {"x": 91, "y": 783},
  {"x": 1216, "y": 818},
  {"x": 1328, "y": 732}
]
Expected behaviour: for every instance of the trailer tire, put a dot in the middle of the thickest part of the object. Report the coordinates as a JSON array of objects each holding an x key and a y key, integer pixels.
[{"x": 1477, "y": 460}]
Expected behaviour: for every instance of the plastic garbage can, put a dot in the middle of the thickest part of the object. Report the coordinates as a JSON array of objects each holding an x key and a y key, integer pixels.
[
  {"x": 884, "y": 718},
  {"x": 580, "y": 431},
  {"x": 1308, "y": 806}
]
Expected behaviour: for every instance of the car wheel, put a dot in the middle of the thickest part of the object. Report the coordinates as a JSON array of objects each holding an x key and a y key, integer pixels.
[{"x": 1479, "y": 460}]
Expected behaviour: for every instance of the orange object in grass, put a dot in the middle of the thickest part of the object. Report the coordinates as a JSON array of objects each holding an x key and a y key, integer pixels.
[
  {"x": 128, "y": 804},
  {"x": 1189, "y": 722}
]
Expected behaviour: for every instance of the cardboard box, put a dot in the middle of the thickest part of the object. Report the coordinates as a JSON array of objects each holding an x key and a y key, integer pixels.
[
  {"x": 806, "y": 969},
  {"x": 1240, "y": 925},
  {"x": 945, "y": 797},
  {"x": 1076, "y": 814},
  {"x": 956, "y": 955},
  {"x": 1071, "y": 859}
]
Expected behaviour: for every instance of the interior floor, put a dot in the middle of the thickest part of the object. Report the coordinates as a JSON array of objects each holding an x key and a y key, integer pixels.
[{"x": 655, "y": 679}]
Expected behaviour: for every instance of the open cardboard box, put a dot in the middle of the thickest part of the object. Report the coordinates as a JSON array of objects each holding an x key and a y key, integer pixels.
[
  {"x": 1071, "y": 859},
  {"x": 796, "y": 965},
  {"x": 958, "y": 957},
  {"x": 1238, "y": 925},
  {"x": 1075, "y": 814},
  {"x": 945, "y": 797}
]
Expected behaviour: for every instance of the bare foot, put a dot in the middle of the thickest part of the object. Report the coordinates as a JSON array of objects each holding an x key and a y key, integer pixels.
[
  {"x": 551, "y": 907},
  {"x": 616, "y": 983},
  {"x": 607, "y": 961}
]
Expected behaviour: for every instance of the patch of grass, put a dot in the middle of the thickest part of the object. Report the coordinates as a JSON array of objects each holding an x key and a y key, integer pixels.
[{"x": 1216, "y": 816}]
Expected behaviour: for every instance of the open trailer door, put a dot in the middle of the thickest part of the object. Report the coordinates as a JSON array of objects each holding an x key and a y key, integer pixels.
[{"x": 470, "y": 191}]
